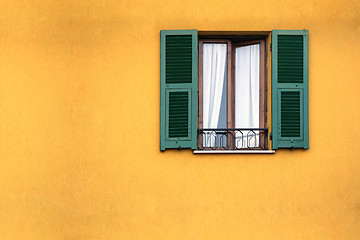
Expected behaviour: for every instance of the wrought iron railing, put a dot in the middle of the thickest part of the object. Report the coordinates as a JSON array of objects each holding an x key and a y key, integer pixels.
[{"x": 232, "y": 138}]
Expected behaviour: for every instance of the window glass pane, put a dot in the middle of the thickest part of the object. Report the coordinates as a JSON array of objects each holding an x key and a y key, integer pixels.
[
  {"x": 247, "y": 73},
  {"x": 214, "y": 93}
]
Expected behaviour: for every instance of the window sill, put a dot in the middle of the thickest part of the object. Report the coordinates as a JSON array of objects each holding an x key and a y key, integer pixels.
[{"x": 235, "y": 151}]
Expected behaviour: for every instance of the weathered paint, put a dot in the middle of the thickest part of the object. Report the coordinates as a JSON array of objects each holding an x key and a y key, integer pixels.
[{"x": 79, "y": 127}]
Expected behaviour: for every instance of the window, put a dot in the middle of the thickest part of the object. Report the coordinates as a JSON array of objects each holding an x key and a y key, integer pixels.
[{"x": 231, "y": 91}]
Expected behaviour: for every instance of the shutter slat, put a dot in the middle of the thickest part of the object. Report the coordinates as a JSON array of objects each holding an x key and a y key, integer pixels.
[
  {"x": 290, "y": 114},
  {"x": 178, "y": 114},
  {"x": 290, "y": 57},
  {"x": 178, "y": 59}
]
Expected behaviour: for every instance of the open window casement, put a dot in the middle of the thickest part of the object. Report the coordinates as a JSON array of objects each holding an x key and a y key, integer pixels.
[
  {"x": 229, "y": 74},
  {"x": 232, "y": 94}
]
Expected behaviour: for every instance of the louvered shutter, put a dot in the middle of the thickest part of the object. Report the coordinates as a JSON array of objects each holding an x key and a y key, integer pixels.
[
  {"x": 178, "y": 89},
  {"x": 290, "y": 83}
]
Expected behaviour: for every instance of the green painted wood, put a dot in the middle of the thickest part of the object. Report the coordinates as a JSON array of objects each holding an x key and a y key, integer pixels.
[
  {"x": 178, "y": 59},
  {"x": 290, "y": 114},
  {"x": 290, "y": 58},
  {"x": 178, "y": 89},
  {"x": 178, "y": 117},
  {"x": 290, "y": 81}
]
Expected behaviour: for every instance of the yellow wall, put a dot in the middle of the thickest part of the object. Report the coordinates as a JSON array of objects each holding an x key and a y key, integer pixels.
[{"x": 79, "y": 127}]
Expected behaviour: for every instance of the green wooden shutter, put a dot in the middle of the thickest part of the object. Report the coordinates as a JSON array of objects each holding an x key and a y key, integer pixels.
[
  {"x": 290, "y": 84},
  {"x": 178, "y": 89}
]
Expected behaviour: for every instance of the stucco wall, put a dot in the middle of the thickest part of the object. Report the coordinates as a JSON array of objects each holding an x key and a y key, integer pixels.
[{"x": 79, "y": 127}]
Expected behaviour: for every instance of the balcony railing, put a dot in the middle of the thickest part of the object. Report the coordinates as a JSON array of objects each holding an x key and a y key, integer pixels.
[{"x": 232, "y": 139}]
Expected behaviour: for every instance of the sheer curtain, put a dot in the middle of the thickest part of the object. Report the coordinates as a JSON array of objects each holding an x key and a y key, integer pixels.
[
  {"x": 247, "y": 68},
  {"x": 214, "y": 91}
]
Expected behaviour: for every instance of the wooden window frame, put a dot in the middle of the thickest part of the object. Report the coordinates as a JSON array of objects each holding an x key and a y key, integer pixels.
[{"x": 231, "y": 46}]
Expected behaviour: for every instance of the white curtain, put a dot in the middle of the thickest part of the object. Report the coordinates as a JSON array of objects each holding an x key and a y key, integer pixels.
[
  {"x": 247, "y": 69},
  {"x": 214, "y": 80}
]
